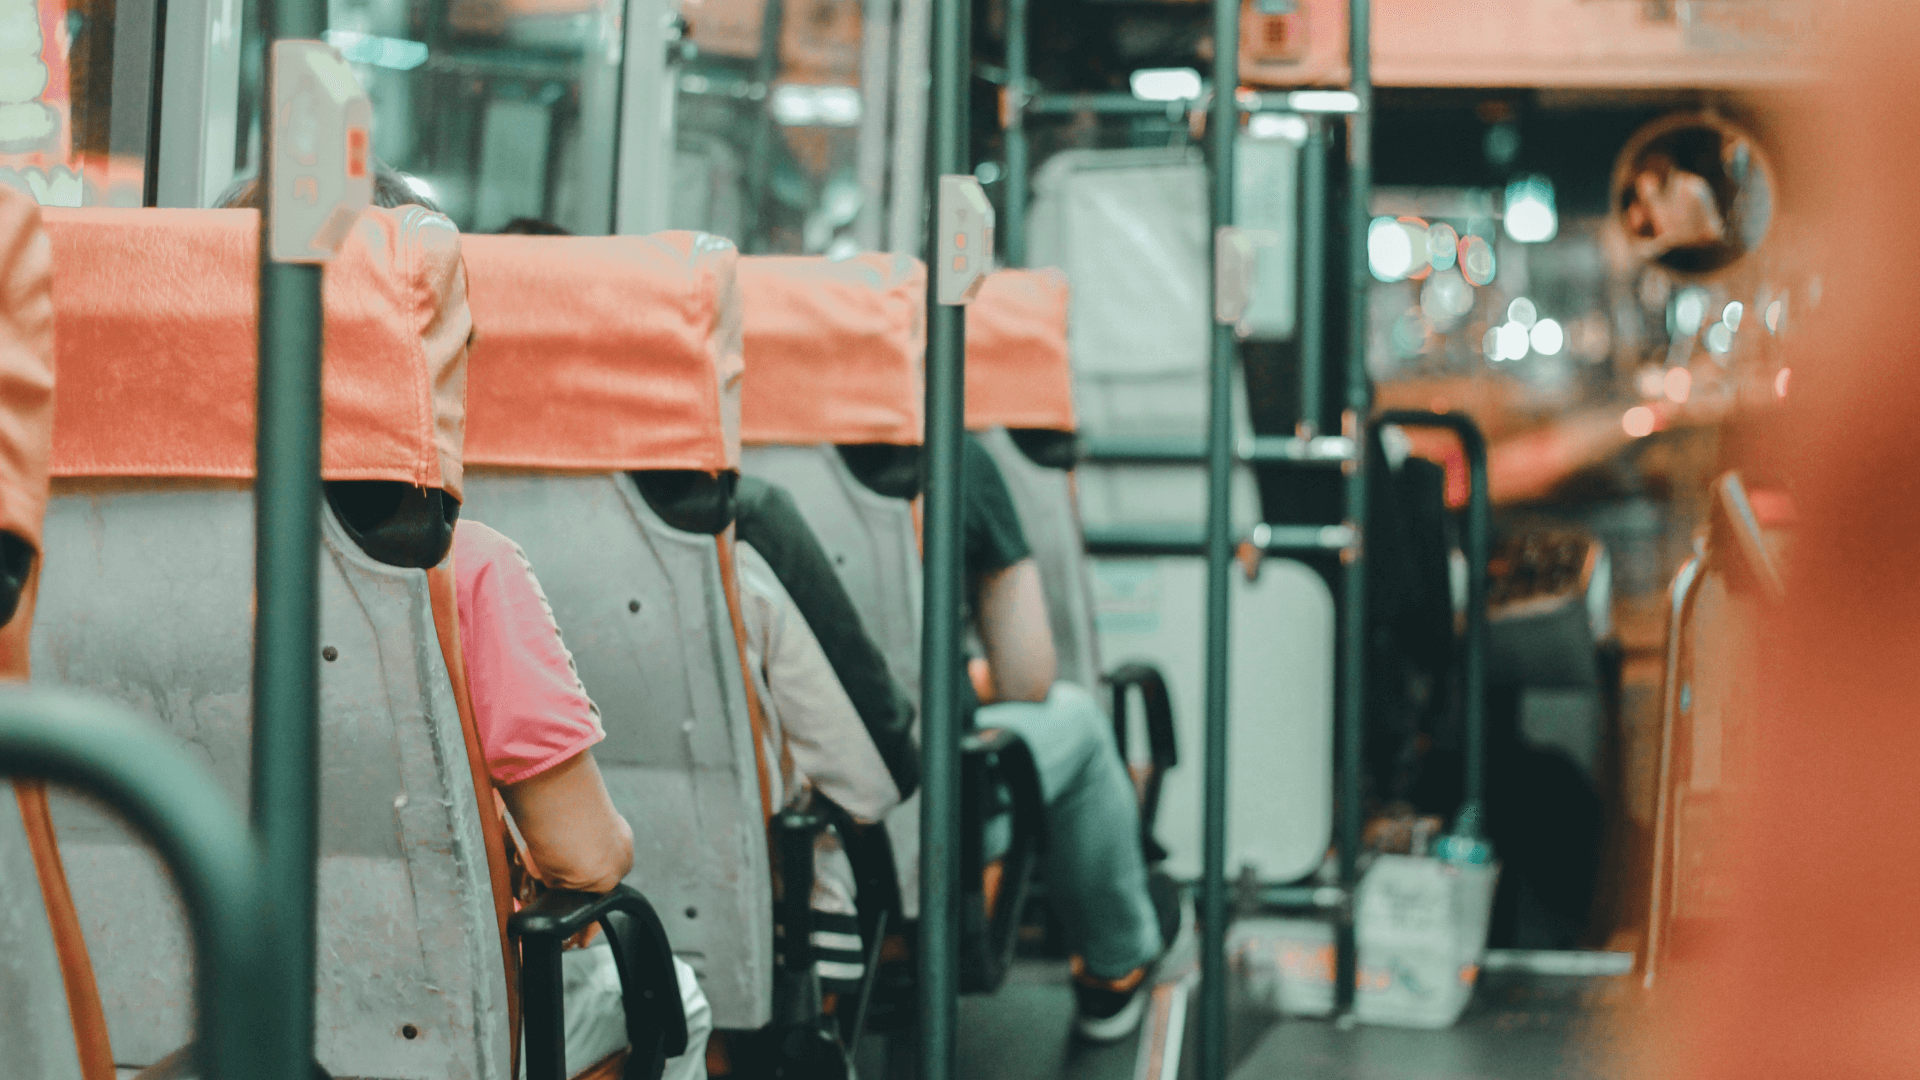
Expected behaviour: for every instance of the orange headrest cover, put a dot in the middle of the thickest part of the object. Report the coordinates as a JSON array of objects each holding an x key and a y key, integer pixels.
[
  {"x": 834, "y": 349},
  {"x": 26, "y": 365},
  {"x": 604, "y": 352},
  {"x": 158, "y": 310},
  {"x": 1019, "y": 372}
]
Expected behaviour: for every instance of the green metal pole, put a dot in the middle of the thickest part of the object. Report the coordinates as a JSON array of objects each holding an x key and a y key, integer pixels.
[
  {"x": 1353, "y": 641},
  {"x": 941, "y": 633},
  {"x": 1313, "y": 274},
  {"x": 286, "y": 649},
  {"x": 1018, "y": 35},
  {"x": 172, "y": 801},
  {"x": 1225, "y": 124}
]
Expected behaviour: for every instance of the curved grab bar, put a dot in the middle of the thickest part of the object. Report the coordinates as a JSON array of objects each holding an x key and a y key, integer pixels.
[{"x": 173, "y": 801}]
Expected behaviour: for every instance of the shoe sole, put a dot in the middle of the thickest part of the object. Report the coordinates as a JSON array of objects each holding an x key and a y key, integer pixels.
[{"x": 1118, "y": 1026}]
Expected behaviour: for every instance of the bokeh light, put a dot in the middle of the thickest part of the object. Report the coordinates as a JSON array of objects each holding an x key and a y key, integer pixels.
[
  {"x": 1638, "y": 421},
  {"x": 1677, "y": 384},
  {"x": 1547, "y": 337}
]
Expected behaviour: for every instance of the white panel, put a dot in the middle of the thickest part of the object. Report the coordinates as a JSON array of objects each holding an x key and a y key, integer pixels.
[{"x": 1280, "y": 704}]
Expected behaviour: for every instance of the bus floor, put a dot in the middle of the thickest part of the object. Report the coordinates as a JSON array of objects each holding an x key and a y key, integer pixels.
[{"x": 1518, "y": 1027}]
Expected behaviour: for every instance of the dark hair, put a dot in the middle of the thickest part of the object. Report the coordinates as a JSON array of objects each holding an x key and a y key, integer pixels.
[
  {"x": 390, "y": 190},
  {"x": 530, "y": 226}
]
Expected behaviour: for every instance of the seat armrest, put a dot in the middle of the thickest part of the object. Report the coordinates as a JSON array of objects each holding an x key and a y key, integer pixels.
[
  {"x": 1162, "y": 742},
  {"x": 649, "y": 987}
]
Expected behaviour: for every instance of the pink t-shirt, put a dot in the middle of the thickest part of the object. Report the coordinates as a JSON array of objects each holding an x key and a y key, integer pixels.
[{"x": 531, "y": 711}]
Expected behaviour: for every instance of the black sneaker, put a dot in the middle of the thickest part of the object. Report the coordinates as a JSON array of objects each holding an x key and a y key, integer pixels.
[{"x": 1108, "y": 1010}]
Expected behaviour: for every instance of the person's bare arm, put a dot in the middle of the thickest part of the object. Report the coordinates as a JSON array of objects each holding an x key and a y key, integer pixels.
[
  {"x": 1014, "y": 628},
  {"x": 574, "y": 836}
]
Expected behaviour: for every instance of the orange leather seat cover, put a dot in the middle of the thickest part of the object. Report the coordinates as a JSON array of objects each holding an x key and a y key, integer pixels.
[
  {"x": 603, "y": 353},
  {"x": 157, "y": 313},
  {"x": 26, "y": 366},
  {"x": 1019, "y": 370},
  {"x": 834, "y": 349}
]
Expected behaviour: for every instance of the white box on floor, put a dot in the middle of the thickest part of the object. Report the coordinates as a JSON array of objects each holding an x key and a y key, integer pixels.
[{"x": 1422, "y": 927}]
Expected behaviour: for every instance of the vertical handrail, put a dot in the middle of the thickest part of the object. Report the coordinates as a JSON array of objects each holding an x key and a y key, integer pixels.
[
  {"x": 940, "y": 661},
  {"x": 1225, "y": 128},
  {"x": 1312, "y": 276},
  {"x": 1353, "y": 598},
  {"x": 175, "y": 804},
  {"x": 286, "y": 686},
  {"x": 1018, "y": 35}
]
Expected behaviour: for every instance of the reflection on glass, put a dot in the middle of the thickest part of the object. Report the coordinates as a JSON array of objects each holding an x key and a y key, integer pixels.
[
  {"x": 75, "y": 99},
  {"x": 768, "y": 122},
  {"x": 1693, "y": 193},
  {"x": 499, "y": 109}
]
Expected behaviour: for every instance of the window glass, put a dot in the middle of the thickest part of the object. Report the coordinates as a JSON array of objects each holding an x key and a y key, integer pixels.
[
  {"x": 768, "y": 126},
  {"x": 76, "y": 99},
  {"x": 496, "y": 109}
]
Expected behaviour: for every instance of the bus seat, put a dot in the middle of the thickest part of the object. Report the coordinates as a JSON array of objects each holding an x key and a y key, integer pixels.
[
  {"x": 1020, "y": 403},
  {"x": 151, "y": 604},
  {"x": 597, "y": 438},
  {"x": 48, "y": 1034},
  {"x": 831, "y": 411}
]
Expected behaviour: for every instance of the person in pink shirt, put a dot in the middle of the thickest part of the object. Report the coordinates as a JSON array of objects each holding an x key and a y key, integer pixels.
[{"x": 537, "y": 727}]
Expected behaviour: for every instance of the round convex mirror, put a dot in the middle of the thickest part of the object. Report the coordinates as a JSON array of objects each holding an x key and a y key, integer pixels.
[{"x": 1693, "y": 192}]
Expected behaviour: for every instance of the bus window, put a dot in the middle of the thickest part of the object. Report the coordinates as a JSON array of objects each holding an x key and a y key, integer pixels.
[
  {"x": 495, "y": 109},
  {"x": 770, "y": 124},
  {"x": 75, "y": 103}
]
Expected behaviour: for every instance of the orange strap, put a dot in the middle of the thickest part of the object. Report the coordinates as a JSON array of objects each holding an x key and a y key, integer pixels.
[
  {"x": 76, "y": 968},
  {"x": 756, "y": 716},
  {"x": 446, "y": 622},
  {"x": 69, "y": 942}
]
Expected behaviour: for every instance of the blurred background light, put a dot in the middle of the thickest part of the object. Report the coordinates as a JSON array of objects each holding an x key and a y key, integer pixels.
[
  {"x": 1735, "y": 311},
  {"x": 1719, "y": 339},
  {"x": 1443, "y": 246},
  {"x": 1477, "y": 263},
  {"x": 1522, "y": 311},
  {"x": 1530, "y": 214},
  {"x": 1389, "y": 250},
  {"x": 1547, "y": 337},
  {"x": 1678, "y": 385},
  {"x": 1638, "y": 421},
  {"x": 1780, "y": 382},
  {"x": 1775, "y": 311},
  {"x": 1689, "y": 311},
  {"x": 1165, "y": 84},
  {"x": 1289, "y": 126},
  {"x": 1512, "y": 342}
]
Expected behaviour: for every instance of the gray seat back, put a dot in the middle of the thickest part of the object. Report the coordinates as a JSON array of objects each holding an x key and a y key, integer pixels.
[
  {"x": 874, "y": 545},
  {"x": 147, "y": 598},
  {"x": 596, "y": 356},
  {"x": 159, "y": 617},
  {"x": 643, "y": 609},
  {"x": 870, "y": 537}
]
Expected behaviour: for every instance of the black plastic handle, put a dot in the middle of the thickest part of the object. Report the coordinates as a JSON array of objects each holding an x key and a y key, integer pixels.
[
  {"x": 1162, "y": 741},
  {"x": 643, "y": 957}
]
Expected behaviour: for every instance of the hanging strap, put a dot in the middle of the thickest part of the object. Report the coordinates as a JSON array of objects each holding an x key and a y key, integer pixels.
[
  {"x": 446, "y": 622},
  {"x": 756, "y": 714},
  {"x": 69, "y": 941}
]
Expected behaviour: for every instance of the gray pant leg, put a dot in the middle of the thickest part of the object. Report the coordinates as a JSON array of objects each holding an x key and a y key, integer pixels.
[{"x": 1095, "y": 871}]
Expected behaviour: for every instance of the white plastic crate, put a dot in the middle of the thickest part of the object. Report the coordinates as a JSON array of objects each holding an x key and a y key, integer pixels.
[{"x": 1422, "y": 927}]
